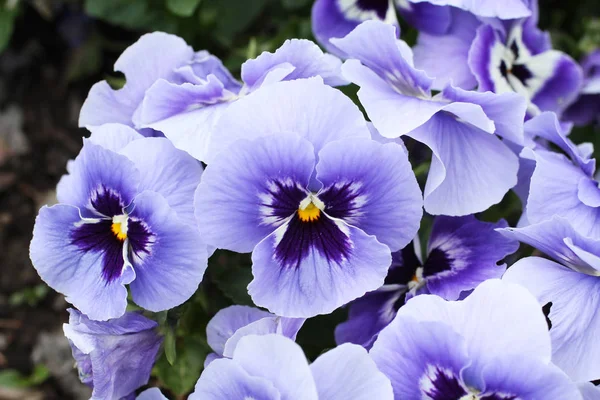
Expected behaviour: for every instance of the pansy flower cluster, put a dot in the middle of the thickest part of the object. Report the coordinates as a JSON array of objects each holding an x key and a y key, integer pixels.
[{"x": 186, "y": 159}]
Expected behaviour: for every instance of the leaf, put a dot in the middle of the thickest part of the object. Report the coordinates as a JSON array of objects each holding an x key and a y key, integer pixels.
[
  {"x": 7, "y": 21},
  {"x": 234, "y": 16},
  {"x": 181, "y": 377},
  {"x": 132, "y": 14},
  {"x": 13, "y": 378},
  {"x": 294, "y": 4},
  {"x": 170, "y": 347},
  {"x": 182, "y": 8}
]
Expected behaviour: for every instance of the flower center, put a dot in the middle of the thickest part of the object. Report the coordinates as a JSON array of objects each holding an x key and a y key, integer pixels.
[
  {"x": 310, "y": 208},
  {"x": 119, "y": 227}
]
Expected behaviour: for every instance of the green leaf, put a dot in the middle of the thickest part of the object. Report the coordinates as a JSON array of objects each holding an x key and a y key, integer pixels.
[
  {"x": 13, "y": 378},
  {"x": 181, "y": 377},
  {"x": 294, "y": 4},
  {"x": 182, "y": 8},
  {"x": 234, "y": 16},
  {"x": 7, "y": 21},
  {"x": 170, "y": 348},
  {"x": 132, "y": 14}
]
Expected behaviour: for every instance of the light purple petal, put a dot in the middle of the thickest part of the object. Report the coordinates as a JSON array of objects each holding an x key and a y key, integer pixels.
[
  {"x": 96, "y": 167},
  {"x": 425, "y": 17},
  {"x": 152, "y": 57},
  {"x": 412, "y": 353},
  {"x": 496, "y": 320},
  {"x": 306, "y": 58},
  {"x": 507, "y": 110},
  {"x": 347, "y": 372},
  {"x": 151, "y": 394},
  {"x": 556, "y": 178},
  {"x": 452, "y": 46},
  {"x": 227, "y": 321},
  {"x": 332, "y": 266},
  {"x": 254, "y": 201},
  {"x": 472, "y": 249},
  {"x": 470, "y": 170},
  {"x": 573, "y": 314},
  {"x": 168, "y": 171},
  {"x": 274, "y": 357},
  {"x": 306, "y": 107},
  {"x": 544, "y": 381},
  {"x": 226, "y": 379},
  {"x": 550, "y": 238},
  {"x": 170, "y": 266},
  {"x": 68, "y": 269},
  {"x": 113, "y": 136},
  {"x": 486, "y": 8},
  {"x": 374, "y": 44},
  {"x": 335, "y": 19},
  {"x": 589, "y": 391},
  {"x": 372, "y": 187}
]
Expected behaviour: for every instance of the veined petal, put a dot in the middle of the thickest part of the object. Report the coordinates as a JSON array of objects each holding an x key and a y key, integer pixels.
[
  {"x": 425, "y": 17},
  {"x": 470, "y": 170},
  {"x": 168, "y": 171},
  {"x": 306, "y": 58},
  {"x": 306, "y": 268},
  {"x": 573, "y": 314},
  {"x": 254, "y": 201},
  {"x": 306, "y": 107},
  {"x": 372, "y": 187},
  {"x": 113, "y": 136},
  {"x": 167, "y": 254},
  {"x": 347, "y": 372},
  {"x": 487, "y": 8}
]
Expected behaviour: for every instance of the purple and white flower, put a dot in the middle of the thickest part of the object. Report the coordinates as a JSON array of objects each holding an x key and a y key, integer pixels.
[
  {"x": 125, "y": 217},
  {"x": 274, "y": 367},
  {"x": 571, "y": 283},
  {"x": 462, "y": 252},
  {"x": 298, "y": 180},
  {"x": 230, "y": 324},
  {"x": 478, "y": 348},
  {"x": 471, "y": 168},
  {"x": 114, "y": 357}
]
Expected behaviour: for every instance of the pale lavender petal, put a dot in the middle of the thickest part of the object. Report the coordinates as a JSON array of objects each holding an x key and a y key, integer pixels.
[
  {"x": 306, "y": 58},
  {"x": 589, "y": 391},
  {"x": 471, "y": 169},
  {"x": 573, "y": 313},
  {"x": 167, "y": 254},
  {"x": 293, "y": 106},
  {"x": 113, "y": 136},
  {"x": 151, "y": 394},
  {"x": 347, "y": 372},
  {"x": 425, "y": 17},
  {"x": 486, "y": 8},
  {"x": 372, "y": 187}
]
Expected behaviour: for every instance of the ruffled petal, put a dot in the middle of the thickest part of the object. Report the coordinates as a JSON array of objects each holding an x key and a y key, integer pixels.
[
  {"x": 486, "y": 8},
  {"x": 113, "y": 136}
]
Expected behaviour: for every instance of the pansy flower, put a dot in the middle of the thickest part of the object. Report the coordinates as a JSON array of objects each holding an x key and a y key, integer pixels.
[
  {"x": 517, "y": 57},
  {"x": 270, "y": 367},
  {"x": 230, "y": 324},
  {"x": 187, "y": 111},
  {"x": 568, "y": 284},
  {"x": 462, "y": 252},
  {"x": 586, "y": 109},
  {"x": 471, "y": 167},
  {"x": 298, "y": 181},
  {"x": 125, "y": 216},
  {"x": 114, "y": 357},
  {"x": 494, "y": 345}
]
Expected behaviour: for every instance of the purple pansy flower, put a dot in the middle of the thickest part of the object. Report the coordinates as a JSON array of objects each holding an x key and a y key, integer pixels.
[
  {"x": 271, "y": 367},
  {"x": 187, "y": 111},
  {"x": 587, "y": 107},
  {"x": 462, "y": 252},
  {"x": 306, "y": 189},
  {"x": 230, "y": 324},
  {"x": 562, "y": 184},
  {"x": 114, "y": 357},
  {"x": 571, "y": 284},
  {"x": 517, "y": 57},
  {"x": 471, "y": 168},
  {"x": 125, "y": 216},
  {"x": 478, "y": 348}
]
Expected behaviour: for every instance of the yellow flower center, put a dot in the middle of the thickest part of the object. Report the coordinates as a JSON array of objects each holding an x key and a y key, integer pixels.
[
  {"x": 309, "y": 213},
  {"x": 117, "y": 229}
]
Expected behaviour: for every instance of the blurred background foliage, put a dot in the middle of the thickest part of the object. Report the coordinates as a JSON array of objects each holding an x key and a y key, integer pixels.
[{"x": 52, "y": 51}]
